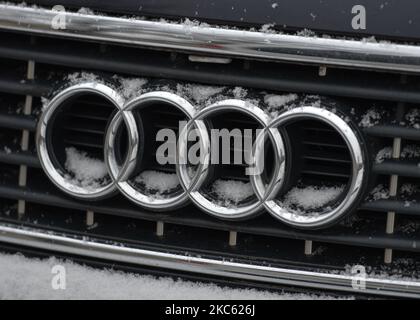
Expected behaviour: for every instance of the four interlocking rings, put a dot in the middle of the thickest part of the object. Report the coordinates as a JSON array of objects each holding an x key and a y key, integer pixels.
[{"x": 266, "y": 192}]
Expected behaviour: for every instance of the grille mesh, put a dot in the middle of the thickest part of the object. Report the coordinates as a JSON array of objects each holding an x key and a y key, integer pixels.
[{"x": 364, "y": 234}]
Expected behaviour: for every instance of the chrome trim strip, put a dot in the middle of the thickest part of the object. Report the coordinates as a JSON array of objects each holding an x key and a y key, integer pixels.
[
  {"x": 211, "y": 40},
  {"x": 118, "y": 252}
]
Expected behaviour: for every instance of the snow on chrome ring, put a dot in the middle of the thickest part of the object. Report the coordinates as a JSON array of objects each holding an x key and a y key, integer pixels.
[
  {"x": 307, "y": 220},
  {"x": 191, "y": 182},
  {"x": 46, "y": 120},
  {"x": 120, "y": 175},
  {"x": 193, "y": 185}
]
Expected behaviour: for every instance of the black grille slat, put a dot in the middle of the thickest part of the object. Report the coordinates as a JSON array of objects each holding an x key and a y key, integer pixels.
[
  {"x": 393, "y": 131},
  {"x": 326, "y": 156},
  {"x": 323, "y": 142},
  {"x": 325, "y": 171},
  {"x": 20, "y": 158},
  {"x": 85, "y": 143},
  {"x": 34, "y": 88},
  {"x": 262, "y": 226},
  {"x": 322, "y": 157},
  {"x": 14, "y": 121}
]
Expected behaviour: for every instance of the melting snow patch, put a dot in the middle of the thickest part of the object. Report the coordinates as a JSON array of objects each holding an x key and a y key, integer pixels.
[
  {"x": 306, "y": 33},
  {"x": 130, "y": 88},
  {"x": 311, "y": 197},
  {"x": 383, "y": 154},
  {"x": 199, "y": 93},
  {"x": 85, "y": 11},
  {"x": 408, "y": 189},
  {"x": 276, "y": 103},
  {"x": 413, "y": 118},
  {"x": 85, "y": 171},
  {"x": 157, "y": 182},
  {"x": 45, "y": 102},
  {"x": 239, "y": 92},
  {"x": 79, "y": 77},
  {"x": 408, "y": 152},
  {"x": 268, "y": 28},
  {"x": 370, "y": 118},
  {"x": 232, "y": 191},
  {"x": 378, "y": 193}
]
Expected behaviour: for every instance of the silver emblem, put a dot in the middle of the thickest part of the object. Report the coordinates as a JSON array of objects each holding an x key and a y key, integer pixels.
[{"x": 266, "y": 193}]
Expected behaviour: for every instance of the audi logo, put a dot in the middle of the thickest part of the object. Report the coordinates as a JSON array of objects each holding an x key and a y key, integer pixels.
[{"x": 192, "y": 179}]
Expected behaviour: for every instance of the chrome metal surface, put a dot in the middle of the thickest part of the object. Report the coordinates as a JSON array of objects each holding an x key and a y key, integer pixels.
[
  {"x": 194, "y": 186},
  {"x": 45, "y": 156},
  {"x": 351, "y": 191},
  {"x": 121, "y": 176},
  {"x": 89, "y": 247},
  {"x": 216, "y": 41}
]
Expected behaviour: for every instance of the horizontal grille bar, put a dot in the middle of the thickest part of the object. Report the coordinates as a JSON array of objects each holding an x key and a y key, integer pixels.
[
  {"x": 398, "y": 167},
  {"x": 393, "y": 131},
  {"x": 261, "y": 226},
  {"x": 20, "y": 158},
  {"x": 12, "y": 121},
  {"x": 34, "y": 88},
  {"x": 258, "y": 75},
  {"x": 393, "y": 205}
]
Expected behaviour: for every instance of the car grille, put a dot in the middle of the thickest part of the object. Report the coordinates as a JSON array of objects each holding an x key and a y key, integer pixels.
[{"x": 32, "y": 67}]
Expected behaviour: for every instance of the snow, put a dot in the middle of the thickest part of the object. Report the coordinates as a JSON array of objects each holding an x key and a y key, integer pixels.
[
  {"x": 24, "y": 278},
  {"x": 277, "y": 101},
  {"x": 231, "y": 191},
  {"x": 78, "y": 77},
  {"x": 268, "y": 28},
  {"x": 157, "y": 182},
  {"x": 408, "y": 152},
  {"x": 239, "y": 93},
  {"x": 408, "y": 227},
  {"x": 130, "y": 88},
  {"x": 306, "y": 33},
  {"x": 395, "y": 272},
  {"x": 379, "y": 192},
  {"x": 383, "y": 154},
  {"x": 85, "y": 171},
  {"x": 311, "y": 197},
  {"x": 85, "y": 11},
  {"x": 370, "y": 118},
  {"x": 202, "y": 95},
  {"x": 198, "y": 93},
  {"x": 408, "y": 189}
]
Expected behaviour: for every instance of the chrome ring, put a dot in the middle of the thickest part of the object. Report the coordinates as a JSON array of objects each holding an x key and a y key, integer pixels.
[
  {"x": 192, "y": 183},
  {"x": 307, "y": 220},
  {"x": 55, "y": 174},
  {"x": 121, "y": 175},
  {"x": 193, "y": 186}
]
